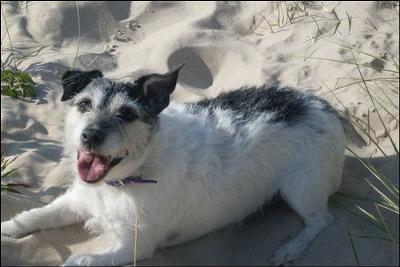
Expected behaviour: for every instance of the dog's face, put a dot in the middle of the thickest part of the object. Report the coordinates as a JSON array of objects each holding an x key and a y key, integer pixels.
[{"x": 110, "y": 124}]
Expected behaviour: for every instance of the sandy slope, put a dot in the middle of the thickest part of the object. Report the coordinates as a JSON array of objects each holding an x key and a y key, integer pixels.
[{"x": 226, "y": 45}]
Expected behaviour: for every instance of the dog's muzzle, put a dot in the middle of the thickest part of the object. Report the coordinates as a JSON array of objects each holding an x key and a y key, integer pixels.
[{"x": 92, "y": 137}]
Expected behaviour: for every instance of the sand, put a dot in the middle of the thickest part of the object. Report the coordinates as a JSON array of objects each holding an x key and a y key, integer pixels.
[{"x": 225, "y": 45}]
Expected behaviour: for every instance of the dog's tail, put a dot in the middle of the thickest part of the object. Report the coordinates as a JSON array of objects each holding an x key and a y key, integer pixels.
[{"x": 352, "y": 136}]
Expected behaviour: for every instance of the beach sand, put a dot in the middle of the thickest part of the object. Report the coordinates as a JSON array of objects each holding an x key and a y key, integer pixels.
[{"x": 226, "y": 45}]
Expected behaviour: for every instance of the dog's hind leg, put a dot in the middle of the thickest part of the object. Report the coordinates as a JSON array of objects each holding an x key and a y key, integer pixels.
[
  {"x": 309, "y": 198},
  {"x": 60, "y": 212},
  {"x": 296, "y": 247}
]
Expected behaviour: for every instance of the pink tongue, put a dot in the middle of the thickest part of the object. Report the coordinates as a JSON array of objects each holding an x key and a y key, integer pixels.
[{"x": 91, "y": 167}]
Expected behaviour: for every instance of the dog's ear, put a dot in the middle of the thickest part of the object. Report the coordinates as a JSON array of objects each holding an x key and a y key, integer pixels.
[
  {"x": 74, "y": 81},
  {"x": 157, "y": 89}
]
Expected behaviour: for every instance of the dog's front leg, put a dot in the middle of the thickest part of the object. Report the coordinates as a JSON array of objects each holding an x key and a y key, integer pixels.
[
  {"x": 121, "y": 250},
  {"x": 60, "y": 212}
]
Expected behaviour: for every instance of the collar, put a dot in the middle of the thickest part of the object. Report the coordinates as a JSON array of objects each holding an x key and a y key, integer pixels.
[{"x": 130, "y": 179}]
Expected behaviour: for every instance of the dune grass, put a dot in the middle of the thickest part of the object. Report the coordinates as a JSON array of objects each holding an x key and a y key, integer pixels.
[
  {"x": 14, "y": 82},
  {"x": 385, "y": 205},
  {"x": 366, "y": 78},
  {"x": 288, "y": 13},
  {"x": 387, "y": 191},
  {"x": 17, "y": 84},
  {"x": 7, "y": 172}
]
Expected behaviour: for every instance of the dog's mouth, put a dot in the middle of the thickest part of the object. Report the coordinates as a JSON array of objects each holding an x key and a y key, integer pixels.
[{"x": 93, "y": 167}]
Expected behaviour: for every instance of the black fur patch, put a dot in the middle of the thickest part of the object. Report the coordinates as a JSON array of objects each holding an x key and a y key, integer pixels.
[
  {"x": 157, "y": 89},
  {"x": 74, "y": 81},
  {"x": 286, "y": 104},
  {"x": 135, "y": 92},
  {"x": 113, "y": 88},
  {"x": 152, "y": 91}
]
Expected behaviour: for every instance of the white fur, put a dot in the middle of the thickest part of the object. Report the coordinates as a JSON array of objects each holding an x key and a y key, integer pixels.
[{"x": 209, "y": 174}]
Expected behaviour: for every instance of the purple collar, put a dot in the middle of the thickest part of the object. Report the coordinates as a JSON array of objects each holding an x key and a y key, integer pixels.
[{"x": 130, "y": 179}]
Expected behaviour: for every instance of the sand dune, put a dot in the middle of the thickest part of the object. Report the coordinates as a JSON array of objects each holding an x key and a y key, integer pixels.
[{"x": 226, "y": 45}]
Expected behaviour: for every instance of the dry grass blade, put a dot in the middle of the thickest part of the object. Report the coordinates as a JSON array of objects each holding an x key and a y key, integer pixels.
[
  {"x": 373, "y": 103},
  {"x": 7, "y": 29},
  {"x": 350, "y": 63},
  {"x": 367, "y": 54},
  {"x": 5, "y": 164},
  {"x": 79, "y": 35},
  {"x": 374, "y": 237},
  {"x": 387, "y": 193},
  {"x": 349, "y": 18},
  {"x": 7, "y": 172},
  {"x": 352, "y": 245},
  {"x": 372, "y": 24}
]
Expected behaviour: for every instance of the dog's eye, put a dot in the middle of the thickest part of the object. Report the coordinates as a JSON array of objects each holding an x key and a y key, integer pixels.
[
  {"x": 127, "y": 114},
  {"x": 84, "y": 105}
]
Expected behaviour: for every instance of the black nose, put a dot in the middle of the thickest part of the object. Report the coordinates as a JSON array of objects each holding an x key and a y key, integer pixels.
[{"x": 92, "y": 136}]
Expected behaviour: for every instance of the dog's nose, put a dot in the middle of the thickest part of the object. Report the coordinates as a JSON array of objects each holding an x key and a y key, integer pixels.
[{"x": 92, "y": 136}]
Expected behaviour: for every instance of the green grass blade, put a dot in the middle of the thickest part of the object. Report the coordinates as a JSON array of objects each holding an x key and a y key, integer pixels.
[
  {"x": 389, "y": 186},
  {"x": 388, "y": 231},
  {"x": 387, "y": 200}
]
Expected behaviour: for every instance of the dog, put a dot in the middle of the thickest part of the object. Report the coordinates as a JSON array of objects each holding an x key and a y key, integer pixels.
[{"x": 183, "y": 170}]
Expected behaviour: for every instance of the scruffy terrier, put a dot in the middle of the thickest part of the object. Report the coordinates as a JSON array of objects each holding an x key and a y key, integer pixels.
[{"x": 184, "y": 170}]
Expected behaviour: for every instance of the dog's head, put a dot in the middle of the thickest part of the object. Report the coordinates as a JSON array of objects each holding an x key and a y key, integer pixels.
[{"x": 110, "y": 124}]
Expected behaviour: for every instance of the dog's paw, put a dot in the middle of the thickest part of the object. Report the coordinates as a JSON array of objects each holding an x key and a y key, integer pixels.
[
  {"x": 12, "y": 229},
  {"x": 286, "y": 254},
  {"x": 86, "y": 260}
]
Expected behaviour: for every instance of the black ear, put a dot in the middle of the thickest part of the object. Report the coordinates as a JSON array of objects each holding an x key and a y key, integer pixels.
[
  {"x": 157, "y": 89},
  {"x": 74, "y": 81}
]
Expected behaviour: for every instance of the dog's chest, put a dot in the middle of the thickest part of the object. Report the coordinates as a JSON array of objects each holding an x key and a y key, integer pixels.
[{"x": 105, "y": 203}]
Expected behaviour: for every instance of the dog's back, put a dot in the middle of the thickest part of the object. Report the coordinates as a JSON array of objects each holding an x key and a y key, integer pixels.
[{"x": 243, "y": 147}]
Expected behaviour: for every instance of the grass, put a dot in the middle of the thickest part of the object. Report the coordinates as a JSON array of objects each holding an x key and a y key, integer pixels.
[
  {"x": 288, "y": 13},
  {"x": 368, "y": 80},
  {"x": 353, "y": 247},
  {"x": 17, "y": 84},
  {"x": 387, "y": 193},
  {"x": 14, "y": 82},
  {"x": 7, "y": 172}
]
